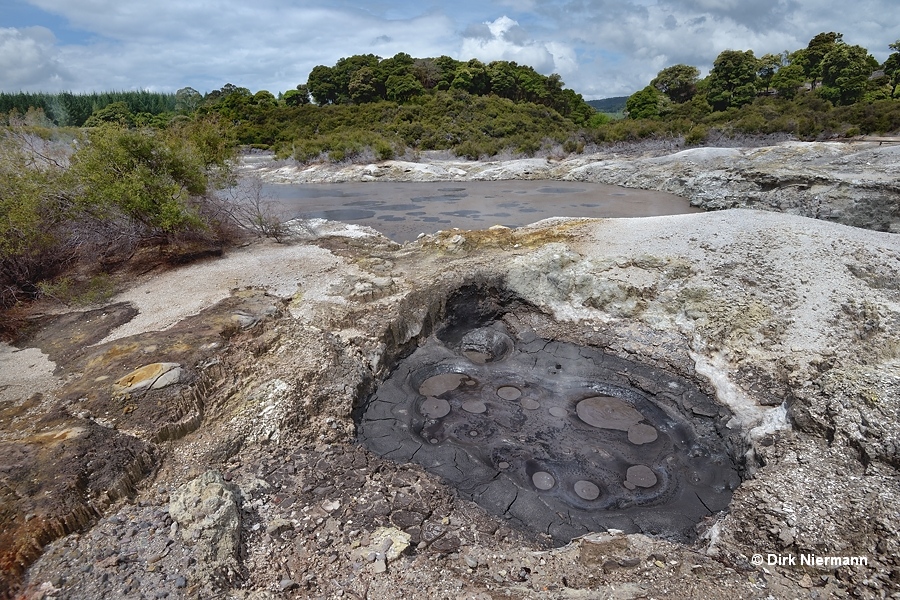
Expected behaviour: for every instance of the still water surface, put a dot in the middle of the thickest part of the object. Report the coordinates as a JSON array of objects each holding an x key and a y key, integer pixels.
[{"x": 404, "y": 210}]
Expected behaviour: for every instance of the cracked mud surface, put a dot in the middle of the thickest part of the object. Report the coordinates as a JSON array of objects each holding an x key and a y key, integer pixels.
[{"x": 551, "y": 435}]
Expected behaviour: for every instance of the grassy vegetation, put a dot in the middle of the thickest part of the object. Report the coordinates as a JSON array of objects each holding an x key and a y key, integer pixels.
[{"x": 68, "y": 290}]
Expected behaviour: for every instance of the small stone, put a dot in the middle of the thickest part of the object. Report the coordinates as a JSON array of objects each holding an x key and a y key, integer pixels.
[
  {"x": 599, "y": 548},
  {"x": 180, "y": 582},
  {"x": 287, "y": 584},
  {"x": 471, "y": 562},
  {"x": 380, "y": 565}
]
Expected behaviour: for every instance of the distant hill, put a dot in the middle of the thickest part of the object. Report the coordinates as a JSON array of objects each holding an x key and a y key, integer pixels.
[{"x": 609, "y": 105}]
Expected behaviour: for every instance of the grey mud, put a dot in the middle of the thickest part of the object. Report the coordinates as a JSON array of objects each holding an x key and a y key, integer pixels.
[{"x": 551, "y": 436}]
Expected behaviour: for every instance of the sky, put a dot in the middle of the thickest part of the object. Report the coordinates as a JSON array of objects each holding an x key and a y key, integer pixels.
[{"x": 601, "y": 48}]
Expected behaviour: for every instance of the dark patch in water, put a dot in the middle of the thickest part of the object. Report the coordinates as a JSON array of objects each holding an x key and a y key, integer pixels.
[
  {"x": 438, "y": 198},
  {"x": 462, "y": 213},
  {"x": 399, "y": 207},
  {"x": 559, "y": 190}
]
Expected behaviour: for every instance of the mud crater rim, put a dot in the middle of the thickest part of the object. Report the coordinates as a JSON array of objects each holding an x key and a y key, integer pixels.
[{"x": 549, "y": 434}]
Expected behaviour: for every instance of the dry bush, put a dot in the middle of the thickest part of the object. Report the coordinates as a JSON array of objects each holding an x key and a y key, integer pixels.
[{"x": 249, "y": 208}]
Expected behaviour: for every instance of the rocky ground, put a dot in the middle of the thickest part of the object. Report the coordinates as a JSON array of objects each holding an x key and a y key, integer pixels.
[{"x": 195, "y": 437}]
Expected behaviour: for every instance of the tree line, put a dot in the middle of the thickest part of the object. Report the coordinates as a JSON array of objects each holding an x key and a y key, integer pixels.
[
  {"x": 368, "y": 107},
  {"x": 68, "y": 109},
  {"x": 828, "y": 69},
  {"x": 368, "y": 78}
]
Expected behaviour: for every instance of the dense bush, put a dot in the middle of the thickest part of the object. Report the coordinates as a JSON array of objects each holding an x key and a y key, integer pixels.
[
  {"x": 116, "y": 188},
  {"x": 34, "y": 202},
  {"x": 827, "y": 89},
  {"x": 468, "y": 125}
]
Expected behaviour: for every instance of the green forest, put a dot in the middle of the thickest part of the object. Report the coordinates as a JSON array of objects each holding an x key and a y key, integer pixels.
[
  {"x": 366, "y": 107},
  {"x": 90, "y": 181},
  {"x": 827, "y": 89}
]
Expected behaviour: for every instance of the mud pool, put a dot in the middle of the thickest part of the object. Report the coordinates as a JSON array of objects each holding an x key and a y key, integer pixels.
[
  {"x": 554, "y": 436},
  {"x": 403, "y": 210}
]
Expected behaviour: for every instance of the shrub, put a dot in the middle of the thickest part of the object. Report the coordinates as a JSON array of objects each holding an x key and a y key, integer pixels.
[
  {"x": 697, "y": 135},
  {"x": 120, "y": 188},
  {"x": 92, "y": 290}
]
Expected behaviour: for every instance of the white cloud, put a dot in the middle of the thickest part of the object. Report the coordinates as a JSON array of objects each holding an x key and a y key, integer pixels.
[
  {"x": 168, "y": 45},
  {"x": 507, "y": 40},
  {"x": 28, "y": 59},
  {"x": 600, "y": 47},
  {"x": 634, "y": 42}
]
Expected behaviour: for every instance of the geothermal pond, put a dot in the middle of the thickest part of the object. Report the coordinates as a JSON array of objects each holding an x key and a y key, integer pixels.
[
  {"x": 402, "y": 211},
  {"x": 557, "y": 438}
]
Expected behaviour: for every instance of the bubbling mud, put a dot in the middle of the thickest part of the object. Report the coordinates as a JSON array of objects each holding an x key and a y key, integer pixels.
[{"x": 551, "y": 435}]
